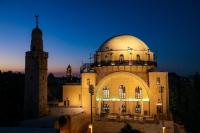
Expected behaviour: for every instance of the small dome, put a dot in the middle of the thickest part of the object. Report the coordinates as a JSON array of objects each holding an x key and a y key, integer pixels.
[
  {"x": 36, "y": 34},
  {"x": 36, "y": 40},
  {"x": 36, "y": 31},
  {"x": 123, "y": 42}
]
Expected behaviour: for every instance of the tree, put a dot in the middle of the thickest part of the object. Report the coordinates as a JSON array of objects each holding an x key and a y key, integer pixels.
[
  {"x": 128, "y": 129},
  {"x": 62, "y": 121}
]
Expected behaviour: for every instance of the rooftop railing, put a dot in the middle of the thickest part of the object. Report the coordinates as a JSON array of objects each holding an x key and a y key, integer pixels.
[{"x": 89, "y": 67}]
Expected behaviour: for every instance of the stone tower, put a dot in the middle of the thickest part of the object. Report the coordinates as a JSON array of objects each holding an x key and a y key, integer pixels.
[
  {"x": 69, "y": 73},
  {"x": 35, "y": 99}
]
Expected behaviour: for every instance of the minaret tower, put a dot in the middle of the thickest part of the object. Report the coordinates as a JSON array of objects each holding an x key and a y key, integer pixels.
[
  {"x": 35, "y": 99},
  {"x": 69, "y": 73}
]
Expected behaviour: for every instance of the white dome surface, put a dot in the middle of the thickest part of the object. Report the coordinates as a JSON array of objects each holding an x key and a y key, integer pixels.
[{"x": 124, "y": 42}]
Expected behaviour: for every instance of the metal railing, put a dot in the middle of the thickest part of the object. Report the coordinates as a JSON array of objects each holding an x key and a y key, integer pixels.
[{"x": 89, "y": 67}]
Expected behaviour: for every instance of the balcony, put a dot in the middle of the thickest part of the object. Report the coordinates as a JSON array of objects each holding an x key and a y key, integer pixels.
[{"x": 87, "y": 67}]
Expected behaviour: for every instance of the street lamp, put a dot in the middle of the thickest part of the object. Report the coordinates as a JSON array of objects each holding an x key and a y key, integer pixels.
[
  {"x": 91, "y": 91},
  {"x": 163, "y": 129},
  {"x": 90, "y": 126},
  {"x": 161, "y": 91}
]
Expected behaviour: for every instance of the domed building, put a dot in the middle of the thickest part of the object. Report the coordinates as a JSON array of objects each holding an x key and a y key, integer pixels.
[{"x": 124, "y": 79}]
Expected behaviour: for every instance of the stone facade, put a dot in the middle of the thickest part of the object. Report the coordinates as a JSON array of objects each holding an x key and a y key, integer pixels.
[{"x": 125, "y": 79}]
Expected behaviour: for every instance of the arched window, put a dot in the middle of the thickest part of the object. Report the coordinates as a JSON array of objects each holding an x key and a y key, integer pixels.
[
  {"x": 123, "y": 108},
  {"x": 122, "y": 91},
  {"x": 106, "y": 59},
  {"x": 106, "y": 92},
  {"x": 138, "y": 93},
  {"x": 121, "y": 58},
  {"x": 138, "y": 57},
  {"x": 137, "y": 108},
  {"x": 106, "y": 108}
]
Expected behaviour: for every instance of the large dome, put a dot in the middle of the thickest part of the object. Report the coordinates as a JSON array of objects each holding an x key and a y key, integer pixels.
[{"x": 123, "y": 42}]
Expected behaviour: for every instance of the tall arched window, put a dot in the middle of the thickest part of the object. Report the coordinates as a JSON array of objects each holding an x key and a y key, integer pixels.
[
  {"x": 138, "y": 93},
  {"x": 138, "y": 108},
  {"x": 106, "y": 92},
  {"x": 122, "y": 91},
  {"x": 138, "y": 57},
  {"x": 121, "y": 58}
]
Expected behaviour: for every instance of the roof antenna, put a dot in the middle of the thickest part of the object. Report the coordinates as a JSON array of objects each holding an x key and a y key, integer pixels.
[{"x": 36, "y": 20}]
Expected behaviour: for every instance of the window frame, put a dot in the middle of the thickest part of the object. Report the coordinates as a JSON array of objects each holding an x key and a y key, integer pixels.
[{"x": 138, "y": 93}]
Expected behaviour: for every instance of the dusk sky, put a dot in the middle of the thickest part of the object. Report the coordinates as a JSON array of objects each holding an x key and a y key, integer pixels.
[{"x": 74, "y": 29}]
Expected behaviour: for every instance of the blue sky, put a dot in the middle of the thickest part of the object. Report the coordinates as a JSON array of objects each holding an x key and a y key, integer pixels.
[{"x": 74, "y": 29}]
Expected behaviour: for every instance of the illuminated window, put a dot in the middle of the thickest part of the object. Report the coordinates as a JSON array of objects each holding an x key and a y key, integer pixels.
[
  {"x": 137, "y": 108},
  {"x": 158, "y": 80},
  {"x": 122, "y": 91},
  {"x": 106, "y": 92},
  {"x": 121, "y": 58},
  {"x": 138, "y": 93},
  {"x": 123, "y": 108},
  {"x": 106, "y": 108}
]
